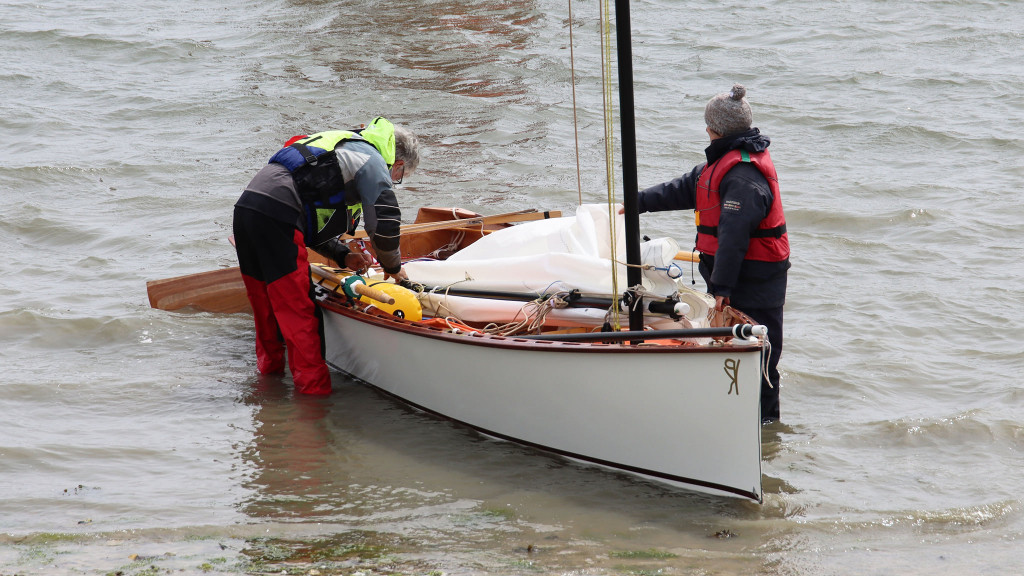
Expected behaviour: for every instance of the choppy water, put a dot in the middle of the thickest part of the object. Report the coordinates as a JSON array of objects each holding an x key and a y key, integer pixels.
[{"x": 142, "y": 441}]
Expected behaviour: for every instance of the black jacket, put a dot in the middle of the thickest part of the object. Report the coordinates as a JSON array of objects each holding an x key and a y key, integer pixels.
[{"x": 747, "y": 283}]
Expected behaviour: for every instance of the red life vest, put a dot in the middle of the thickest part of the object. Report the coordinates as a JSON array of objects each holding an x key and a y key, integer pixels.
[{"x": 770, "y": 242}]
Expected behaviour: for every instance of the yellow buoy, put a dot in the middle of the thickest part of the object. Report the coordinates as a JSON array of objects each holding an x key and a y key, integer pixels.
[{"x": 406, "y": 305}]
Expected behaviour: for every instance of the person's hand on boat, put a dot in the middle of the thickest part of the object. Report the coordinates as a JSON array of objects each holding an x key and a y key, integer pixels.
[
  {"x": 719, "y": 319},
  {"x": 398, "y": 277},
  {"x": 358, "y": 262}
]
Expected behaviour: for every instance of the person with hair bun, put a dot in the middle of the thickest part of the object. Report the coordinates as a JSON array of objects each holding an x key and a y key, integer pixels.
[{"x": 741, "y": 228}]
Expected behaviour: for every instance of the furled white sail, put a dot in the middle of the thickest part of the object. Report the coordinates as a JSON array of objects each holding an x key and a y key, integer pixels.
[
  {"x": 546, "y": 256},
  {"x": 549, "y": 257}
]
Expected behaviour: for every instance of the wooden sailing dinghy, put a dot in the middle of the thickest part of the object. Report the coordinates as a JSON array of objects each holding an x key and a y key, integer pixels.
[{"x": 675, "y": 405}]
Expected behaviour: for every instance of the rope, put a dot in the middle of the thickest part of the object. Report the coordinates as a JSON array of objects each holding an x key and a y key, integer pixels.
[
  {"x": 609, "y": 149},
  {"x": 575, "y": 122},
  {"x": 451, "y": 247},
  {"x": 673, "y": 270},
  {"x": 535, "y": 313}
]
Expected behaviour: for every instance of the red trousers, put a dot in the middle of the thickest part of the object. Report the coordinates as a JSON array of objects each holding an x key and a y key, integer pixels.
[{"x": 272, "y": 257}]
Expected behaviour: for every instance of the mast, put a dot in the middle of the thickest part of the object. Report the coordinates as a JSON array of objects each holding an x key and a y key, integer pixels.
[{"x": 624, "y": 44}]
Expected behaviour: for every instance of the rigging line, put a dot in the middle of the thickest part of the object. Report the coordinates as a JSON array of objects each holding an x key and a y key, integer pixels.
[
  {"x": 609, "y": 147},
  {"x": 575, "y": 122},
  {"x": 673, "y": 270}
]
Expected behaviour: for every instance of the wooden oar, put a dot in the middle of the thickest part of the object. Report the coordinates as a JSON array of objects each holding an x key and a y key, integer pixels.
[
  {"x": 215, "y": 291},
  {"x": 687, "y": 256},
  {"x": 507, "y": 218},
  {"x": 223, "y": 291}
]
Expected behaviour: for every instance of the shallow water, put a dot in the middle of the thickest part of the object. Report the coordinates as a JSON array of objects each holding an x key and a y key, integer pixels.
[{"x": 141, "y": 441}]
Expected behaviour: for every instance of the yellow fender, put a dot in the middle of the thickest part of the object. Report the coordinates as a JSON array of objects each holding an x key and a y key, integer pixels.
[{"x": 406, "y": 305}]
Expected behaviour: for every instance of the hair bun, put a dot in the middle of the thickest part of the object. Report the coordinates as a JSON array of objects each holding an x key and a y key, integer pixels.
[{"x": 738, "y": 92}]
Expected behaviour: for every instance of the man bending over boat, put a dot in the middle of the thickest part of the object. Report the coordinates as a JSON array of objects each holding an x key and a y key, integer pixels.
[
  {"x": 312, "y": 190},
  {"x": 741, "y": 229}
]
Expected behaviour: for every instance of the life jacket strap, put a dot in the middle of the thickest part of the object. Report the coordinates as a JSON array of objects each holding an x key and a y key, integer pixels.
[
  {"x": 775, "y": 232},
  {"x": 301, "y": 147}
]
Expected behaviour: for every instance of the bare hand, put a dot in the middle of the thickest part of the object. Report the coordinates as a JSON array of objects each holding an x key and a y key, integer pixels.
[
  {"x": 719, "y": 319},
  {"x": 358, "y": 261},
  {"x": 399, "y": 276}
]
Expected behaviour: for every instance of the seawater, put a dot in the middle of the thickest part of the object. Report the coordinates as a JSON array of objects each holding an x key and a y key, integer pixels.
[{"x": 139, "y": 441}]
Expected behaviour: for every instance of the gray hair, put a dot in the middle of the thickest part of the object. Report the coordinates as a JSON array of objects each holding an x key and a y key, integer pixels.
[
  {"x": 729, "y": 113},
  {"x": 407, "y": 148}
]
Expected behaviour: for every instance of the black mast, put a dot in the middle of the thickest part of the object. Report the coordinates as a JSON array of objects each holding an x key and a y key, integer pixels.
[{"x": 624, "y": 42}]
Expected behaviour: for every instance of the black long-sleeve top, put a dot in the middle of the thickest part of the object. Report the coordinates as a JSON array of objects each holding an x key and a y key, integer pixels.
[{"x": 746, "y": 199}]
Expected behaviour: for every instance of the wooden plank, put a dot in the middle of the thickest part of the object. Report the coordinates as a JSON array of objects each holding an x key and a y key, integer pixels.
[
  {"x": 509, "y": 218},
  {"x": 216, "y": 291}
]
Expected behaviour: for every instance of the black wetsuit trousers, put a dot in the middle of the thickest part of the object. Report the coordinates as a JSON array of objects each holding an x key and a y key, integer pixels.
[{"x": 771, "y": 318}]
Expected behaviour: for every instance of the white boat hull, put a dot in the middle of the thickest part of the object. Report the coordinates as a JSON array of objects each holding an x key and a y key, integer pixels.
[{"x": 688, "y": 417}]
